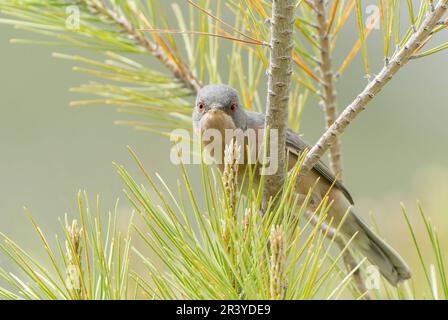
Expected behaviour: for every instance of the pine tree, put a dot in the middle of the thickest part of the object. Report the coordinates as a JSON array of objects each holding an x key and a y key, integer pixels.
[{"x": 226, "y": 249}]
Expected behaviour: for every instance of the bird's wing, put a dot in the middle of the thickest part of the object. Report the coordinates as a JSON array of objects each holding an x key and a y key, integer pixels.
[{"x": 296, "y": 145}]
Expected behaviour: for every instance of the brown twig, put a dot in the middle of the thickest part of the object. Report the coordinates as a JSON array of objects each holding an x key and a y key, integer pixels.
[
  {"x": 399, "y": 59},
  {"x": 329, "y": 102},
  {"x": 176, "y": 66},
  {"x": 327, "y": 84},
  {"x": 209, "y": 34}
]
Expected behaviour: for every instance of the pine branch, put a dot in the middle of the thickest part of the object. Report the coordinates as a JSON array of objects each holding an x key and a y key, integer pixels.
[
  {"x": 279, "y": 81},
  {"x": 329, "y": 99},
  {"x": 400, "y": 59},
  {"x": 353, "y": 268},
  {"x": 177, "y": 67}
]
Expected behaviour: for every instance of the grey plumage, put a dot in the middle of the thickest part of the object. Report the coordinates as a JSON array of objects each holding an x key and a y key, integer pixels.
[{"x": 218, "y": 107}]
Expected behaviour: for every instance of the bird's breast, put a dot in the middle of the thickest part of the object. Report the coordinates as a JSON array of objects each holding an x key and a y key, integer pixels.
[{"x": 216, "y": 120}]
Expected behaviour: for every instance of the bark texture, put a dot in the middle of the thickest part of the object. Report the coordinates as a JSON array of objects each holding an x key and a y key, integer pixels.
[
  {"x": 329, "y": 102},
  {"x": 279, "y": 80},
  {"x": 327, "y": 84},
  {"x": 400, "y": 58}
]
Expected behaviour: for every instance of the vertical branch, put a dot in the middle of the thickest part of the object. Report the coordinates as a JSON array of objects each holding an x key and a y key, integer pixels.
[
  {"x": 279, "y": 80},
  {"x": 331, "y": 137},
  {"x": 400, "y": 58},
  {"x": 329, "y": 102},
  {"x": 327, "y": 84}
]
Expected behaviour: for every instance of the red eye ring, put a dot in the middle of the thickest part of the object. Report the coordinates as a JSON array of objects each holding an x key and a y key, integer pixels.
[
  {"x": 201, "y": 107},
  {"x": 233, "y": 107}
]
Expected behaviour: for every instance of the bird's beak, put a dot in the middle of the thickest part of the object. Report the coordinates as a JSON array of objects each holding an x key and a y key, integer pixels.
[
  {"x": 216, "y": 118},
  {"x": 216, "y": 109}
]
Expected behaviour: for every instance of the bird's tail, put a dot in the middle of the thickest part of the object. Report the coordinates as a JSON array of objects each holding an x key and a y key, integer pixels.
[{"x": 380, "y": 254}]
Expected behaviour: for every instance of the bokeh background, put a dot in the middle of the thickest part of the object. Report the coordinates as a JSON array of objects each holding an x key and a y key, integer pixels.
[{"x": 396, "y": 151}]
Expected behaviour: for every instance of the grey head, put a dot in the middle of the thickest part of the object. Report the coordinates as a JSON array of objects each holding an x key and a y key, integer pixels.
[{"x": 219, "y": 98}]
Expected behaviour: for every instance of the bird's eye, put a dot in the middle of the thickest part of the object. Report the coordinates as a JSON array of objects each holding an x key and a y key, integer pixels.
[
  {"x": 233, "y": 107},
  {"x": 201, "y": 107}
]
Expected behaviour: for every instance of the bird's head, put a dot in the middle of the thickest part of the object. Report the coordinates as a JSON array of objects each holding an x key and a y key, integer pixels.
[{"x": 218, "y": 107}]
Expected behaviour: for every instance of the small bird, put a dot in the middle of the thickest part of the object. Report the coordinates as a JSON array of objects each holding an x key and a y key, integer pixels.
[{"x": 218, "y": 107}]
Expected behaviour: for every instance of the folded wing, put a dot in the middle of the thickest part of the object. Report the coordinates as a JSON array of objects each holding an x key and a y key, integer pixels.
[{"x": 296, "y": 145}]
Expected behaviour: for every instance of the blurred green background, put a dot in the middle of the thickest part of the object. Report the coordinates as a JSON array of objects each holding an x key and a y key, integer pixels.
[{"x": 395, "y": 151}]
